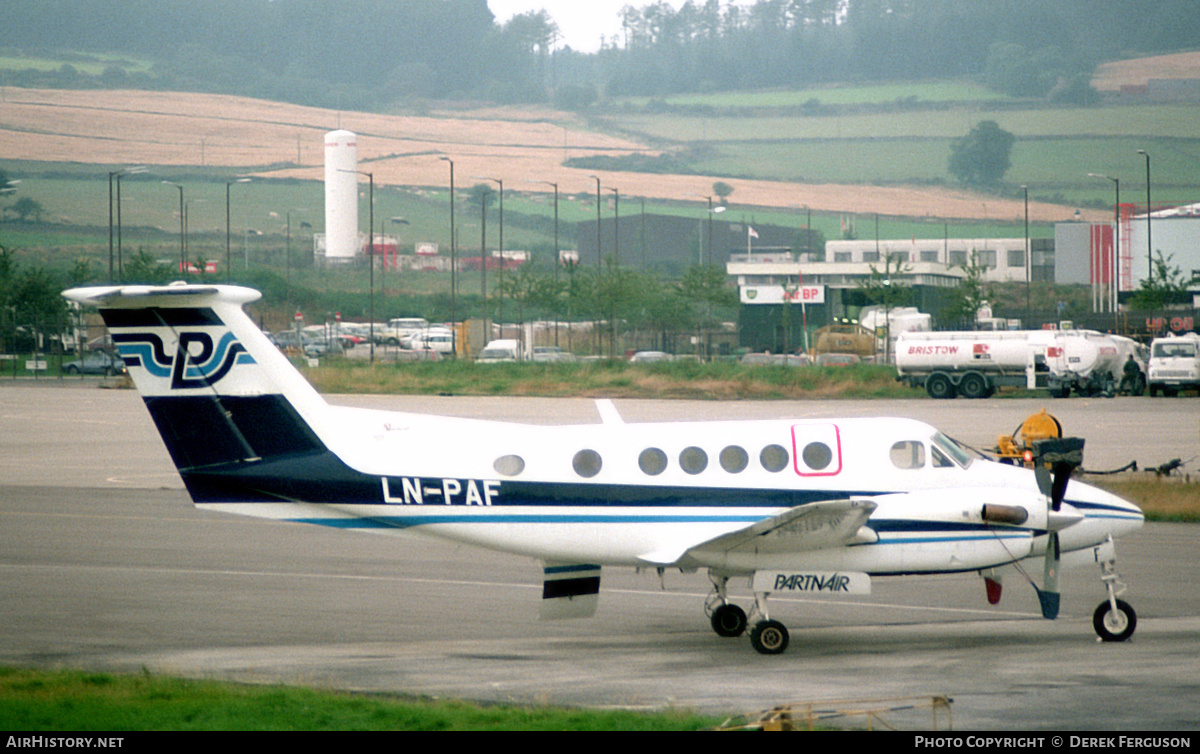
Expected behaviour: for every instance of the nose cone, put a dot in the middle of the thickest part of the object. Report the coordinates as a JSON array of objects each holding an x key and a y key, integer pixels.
[{"x": 1119, "y": 515}]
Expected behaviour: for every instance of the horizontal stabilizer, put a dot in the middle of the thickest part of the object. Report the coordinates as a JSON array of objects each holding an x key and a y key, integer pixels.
[{"x": 570, "y": 591}]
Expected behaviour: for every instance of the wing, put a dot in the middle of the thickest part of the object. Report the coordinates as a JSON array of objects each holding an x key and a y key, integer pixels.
[{"x": 814, "y": 526}]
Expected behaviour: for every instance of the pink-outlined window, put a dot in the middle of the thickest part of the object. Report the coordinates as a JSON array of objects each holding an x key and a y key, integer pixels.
[{"x": 816, "y": 449}]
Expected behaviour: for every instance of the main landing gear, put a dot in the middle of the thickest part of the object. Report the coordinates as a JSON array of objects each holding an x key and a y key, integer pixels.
[{"x": 769, "y": 637}]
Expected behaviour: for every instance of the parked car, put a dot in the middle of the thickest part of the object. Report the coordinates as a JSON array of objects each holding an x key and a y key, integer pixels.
[
  {"x": 289, "y": 340},
  {"x": 435, "y": 338},
  {"x": 499, "y": 350},
  {"x": 552, "y": 354},
  {"x": 775, "y": 359},
  {"x": 97, "y": 362},
  {"x": 837, "y": 359},
  {"x": 647, "y": 357}
]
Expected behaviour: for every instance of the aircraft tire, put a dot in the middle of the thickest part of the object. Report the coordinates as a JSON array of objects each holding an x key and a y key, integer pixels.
[
  {"x": 1114, "y": 626},
  {"x": 729, "y": 621},
  {"x": 769, "y": 637}
]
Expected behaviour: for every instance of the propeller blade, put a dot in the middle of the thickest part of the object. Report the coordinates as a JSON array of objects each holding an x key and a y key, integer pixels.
[
  {"x": 1063, "y": 456},
  {"x": 1048, "y": 595},
  {"x": 1044, "y": 482}
]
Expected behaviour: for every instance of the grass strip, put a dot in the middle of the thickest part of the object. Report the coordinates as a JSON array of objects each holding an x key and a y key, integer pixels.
[{"x": 72, "y": 700}]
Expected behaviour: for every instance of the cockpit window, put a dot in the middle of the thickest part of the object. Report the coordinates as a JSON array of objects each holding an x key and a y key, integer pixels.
[
  {"x": 908, "y": 454},
  {"x": 939, "y": 459},
  {"x": 960, "y": 455}
]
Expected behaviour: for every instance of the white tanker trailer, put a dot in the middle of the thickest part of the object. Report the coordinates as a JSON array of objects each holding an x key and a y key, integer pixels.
[{"x": 975, "y": 364}]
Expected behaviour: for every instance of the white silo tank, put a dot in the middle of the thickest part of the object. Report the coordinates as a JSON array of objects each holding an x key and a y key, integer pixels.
[{"x": 341, "y": 196}]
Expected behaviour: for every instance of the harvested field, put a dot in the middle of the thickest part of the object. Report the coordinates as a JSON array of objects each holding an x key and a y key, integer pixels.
[
  {"x": 1110, "y": 77},
  {"x": 524, "y": 148}
]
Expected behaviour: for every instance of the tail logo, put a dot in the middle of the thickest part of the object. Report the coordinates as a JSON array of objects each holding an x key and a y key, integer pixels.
[{"x": 196, "y": 363}]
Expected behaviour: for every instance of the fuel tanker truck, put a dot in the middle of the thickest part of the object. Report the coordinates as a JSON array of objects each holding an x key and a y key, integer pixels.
[{"x": 975, "y": 364}]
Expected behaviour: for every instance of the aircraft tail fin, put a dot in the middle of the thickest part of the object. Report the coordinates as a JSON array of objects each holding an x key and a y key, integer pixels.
[{"x": 231, "y": 409}]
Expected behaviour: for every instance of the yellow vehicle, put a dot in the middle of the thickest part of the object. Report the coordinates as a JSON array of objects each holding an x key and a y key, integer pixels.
[{"x": 1040, "y": 426}]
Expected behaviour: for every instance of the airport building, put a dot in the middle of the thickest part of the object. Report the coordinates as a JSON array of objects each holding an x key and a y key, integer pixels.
[
  {"x": 783, "y": 294},
  {"x": 1113, "y": 257}
]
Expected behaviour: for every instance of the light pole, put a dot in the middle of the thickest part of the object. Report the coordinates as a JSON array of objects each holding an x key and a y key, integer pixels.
[
  {"x": 453, "y": 248},
  {"x": 228, "y": 263},
  {"x": 599, "y": 256},
  {"x": 1149, "y": 246},
  {"x": 396, "y": 221},
  {"x": 599, "y": 262},
  {"x": 708, "y": 255},
  {"x": 556, "y": 252},
  {"x": 118, "y": 174},
  {"x": 500, "y": 246},
  {"x": 287, "y": 250},
  {"x": 1028, "y": 276},
  {"x": 616, "y": 226},
  {"x": 1116, "y": 240},
  {"x": 500, "y": 242},
  {"x": 182, "y": 252},
  {"x": 612, "y": 310},
  {"x": 483, "y": 200},
  {"x": 111, "y": 277}
]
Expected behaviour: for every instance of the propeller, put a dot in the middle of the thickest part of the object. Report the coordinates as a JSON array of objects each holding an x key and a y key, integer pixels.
[{"x": 1054, "y": 461}]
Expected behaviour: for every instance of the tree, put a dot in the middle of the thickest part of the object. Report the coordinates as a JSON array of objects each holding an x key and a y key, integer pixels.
[
  {"x": 26, "y": 209},
  {"x": 883, "y": 289},
  {"x": 1164, "y": 287},
  {"x": 983, "y": 156},
  {"x": 722, "y": 190},
  {"x": 970, "y": 295}
]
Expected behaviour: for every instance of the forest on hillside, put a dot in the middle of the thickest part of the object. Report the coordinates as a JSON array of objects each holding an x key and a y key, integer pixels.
[{"x": 370, "y": 54}]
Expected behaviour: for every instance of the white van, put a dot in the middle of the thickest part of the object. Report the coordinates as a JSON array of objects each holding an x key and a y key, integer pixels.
[
  {"x": 401, "y": 327},
  {"x": 1174, "y": 364},
  {"x": 500, "y": 350}
]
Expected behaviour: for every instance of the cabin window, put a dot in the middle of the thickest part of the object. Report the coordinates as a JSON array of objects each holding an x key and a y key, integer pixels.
[
  {"x": 652, "y": 461},
  {"x": 587, "y": 463},
  {"x": 693, "y": 460},
  {"x": 816, "y": 455},
  {"x": 774, "y": 458},
  {"x": 509, "y": 465},
  {"x": 734, "y": 459},
  {"x": 908, "y": 454}
]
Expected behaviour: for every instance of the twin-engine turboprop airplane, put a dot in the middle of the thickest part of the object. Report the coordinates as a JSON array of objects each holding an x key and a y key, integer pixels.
[{"x": 796, "y": 506}]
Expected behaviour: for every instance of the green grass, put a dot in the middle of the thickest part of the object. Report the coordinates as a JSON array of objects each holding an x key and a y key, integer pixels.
[
  {"x": 1173, "y": 499},
  {"x": 66, "y": 700},
  {"x": 92, "y": 64},
  {"x": 872, "y": 94},
  {"x": 716, "y": 381}
]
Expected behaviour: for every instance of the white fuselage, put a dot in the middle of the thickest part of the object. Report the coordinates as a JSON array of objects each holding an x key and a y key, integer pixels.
[{"x": 643, "y": 494}]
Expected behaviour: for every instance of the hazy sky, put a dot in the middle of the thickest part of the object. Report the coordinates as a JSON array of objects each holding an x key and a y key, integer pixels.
[{"x": 582, "y": 22}]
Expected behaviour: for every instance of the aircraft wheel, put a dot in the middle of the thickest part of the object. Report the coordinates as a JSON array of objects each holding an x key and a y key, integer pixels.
[
  {"x": 729, "y": 620},
  {"x": 1113, "y": 625},
  {"x": 769, "y": 637}
]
